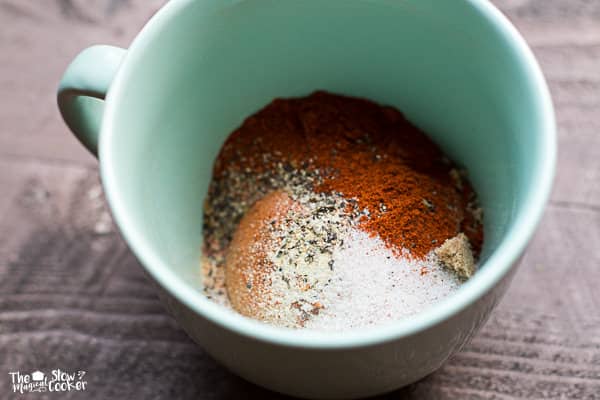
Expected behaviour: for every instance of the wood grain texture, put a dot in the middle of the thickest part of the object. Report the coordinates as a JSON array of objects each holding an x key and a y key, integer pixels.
[{"x": 72, "y": 295}]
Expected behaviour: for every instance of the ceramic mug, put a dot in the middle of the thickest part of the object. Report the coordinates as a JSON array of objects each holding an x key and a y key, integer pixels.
[{"x": 158, "y": 113}]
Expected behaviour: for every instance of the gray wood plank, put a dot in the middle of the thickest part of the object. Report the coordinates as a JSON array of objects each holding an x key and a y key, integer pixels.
[
  {"x": 72, "y": 294},
  {"x": 37, "y": 44}
]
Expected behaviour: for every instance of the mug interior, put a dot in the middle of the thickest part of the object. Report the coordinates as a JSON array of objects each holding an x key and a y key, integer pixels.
[{"x": 187, "y": 83}]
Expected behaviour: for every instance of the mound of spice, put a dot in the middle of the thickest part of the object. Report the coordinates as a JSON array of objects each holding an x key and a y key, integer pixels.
[{"x": 357, "y": 178}]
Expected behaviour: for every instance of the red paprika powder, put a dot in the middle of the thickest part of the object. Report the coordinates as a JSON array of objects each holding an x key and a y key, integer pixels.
[{"x": 415, "y": 196}]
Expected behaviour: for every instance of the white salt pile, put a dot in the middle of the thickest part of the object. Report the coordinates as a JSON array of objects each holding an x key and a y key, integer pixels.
[{"x": 370, "y": 285}]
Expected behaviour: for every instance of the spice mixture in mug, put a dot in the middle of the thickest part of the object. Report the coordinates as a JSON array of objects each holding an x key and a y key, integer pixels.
[{"x": 331, "y": 212}]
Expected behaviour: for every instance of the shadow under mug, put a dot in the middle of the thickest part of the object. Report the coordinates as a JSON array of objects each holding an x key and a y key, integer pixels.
[{"x": 457, "y": 69}]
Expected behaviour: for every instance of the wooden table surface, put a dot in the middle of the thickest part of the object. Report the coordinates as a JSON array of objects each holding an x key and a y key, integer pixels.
[{"x": 73, "y": 297}]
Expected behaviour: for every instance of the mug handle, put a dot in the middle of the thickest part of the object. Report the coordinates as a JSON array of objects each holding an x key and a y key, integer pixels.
[{"x": 83, "y": 88}]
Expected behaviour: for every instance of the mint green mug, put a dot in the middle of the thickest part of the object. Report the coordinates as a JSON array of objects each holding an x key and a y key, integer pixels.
[{"x": 157, "y": 114}]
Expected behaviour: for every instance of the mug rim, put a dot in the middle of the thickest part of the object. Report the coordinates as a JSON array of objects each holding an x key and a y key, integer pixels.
[{"x": 502, "y": 259}]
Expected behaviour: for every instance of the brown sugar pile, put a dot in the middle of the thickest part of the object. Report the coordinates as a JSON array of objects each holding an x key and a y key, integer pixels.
[
  {"x": 346, "y": 160},
  {"x": 247, "y": 263},
  {"x": 258, "y": 283}
]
